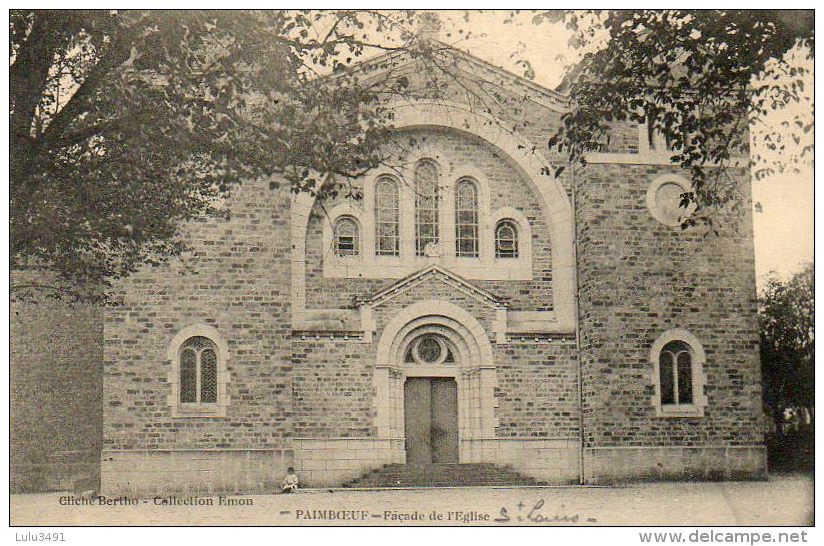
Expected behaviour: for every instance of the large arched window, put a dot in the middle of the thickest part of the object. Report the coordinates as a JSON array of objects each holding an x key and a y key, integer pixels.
[
  {"x": 347, "y": 240},
  {"x": 426, "y": 206},
  {"x": 387, "y": 232},
  {"x": 506, "y": 239},
  {"x": 466, "y": 218},
  {"x": 198, "y": 371},
  {"x": 675, "y": 373}
]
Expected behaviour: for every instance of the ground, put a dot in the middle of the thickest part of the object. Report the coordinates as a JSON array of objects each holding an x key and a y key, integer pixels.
[{"x": 784, "y": 500}]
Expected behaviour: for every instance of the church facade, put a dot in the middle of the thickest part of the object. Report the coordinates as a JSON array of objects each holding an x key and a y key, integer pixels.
[{"x": 471, "y": 306}]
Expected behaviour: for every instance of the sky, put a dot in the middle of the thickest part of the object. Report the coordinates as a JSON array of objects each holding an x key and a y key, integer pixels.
[{"x": 783, "y": 228}]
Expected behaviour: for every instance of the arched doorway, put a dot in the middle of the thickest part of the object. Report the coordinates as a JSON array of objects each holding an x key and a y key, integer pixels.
[
  {"x": 430, "y": 399},
  {"x": 435, "y": 383}
]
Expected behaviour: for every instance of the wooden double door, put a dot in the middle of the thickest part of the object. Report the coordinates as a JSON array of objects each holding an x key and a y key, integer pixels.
[{"x": 431, "y": 420}]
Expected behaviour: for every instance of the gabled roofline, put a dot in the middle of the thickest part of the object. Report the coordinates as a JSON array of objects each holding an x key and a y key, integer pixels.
[
  {"x": 400, "y": 286},
  {"x": 549, "y": 93},
  {"x": 555, "y": 97}
]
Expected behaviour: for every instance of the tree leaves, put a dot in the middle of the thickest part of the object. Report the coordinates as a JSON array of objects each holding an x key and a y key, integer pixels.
[
  {"x": 702, "y": 80},
  {"x": 125, "y": 124},
  {"x": 787, "y": 320}
]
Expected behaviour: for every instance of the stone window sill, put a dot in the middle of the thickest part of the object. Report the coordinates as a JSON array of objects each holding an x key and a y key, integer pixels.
[
  {"x": 505, "y": 269},
  {"x": 681, "y": 410},
  {"x": 198, "y": 410}
]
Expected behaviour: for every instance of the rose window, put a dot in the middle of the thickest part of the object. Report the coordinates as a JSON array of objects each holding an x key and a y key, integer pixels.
[{"x": 429, "y": 349}]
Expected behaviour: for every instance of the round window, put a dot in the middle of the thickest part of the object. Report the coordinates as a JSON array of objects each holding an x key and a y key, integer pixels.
[
  {"x": 429, "y": 350},
  {"x": 664, "y": 200}
]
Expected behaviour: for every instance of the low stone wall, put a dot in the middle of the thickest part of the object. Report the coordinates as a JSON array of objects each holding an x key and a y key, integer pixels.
[
  {"x": 321, "y": 462},
  {"x": 620, "y": 464},
  {"x": 555, "y": 461},
  {"x": 144, "y": 473}
]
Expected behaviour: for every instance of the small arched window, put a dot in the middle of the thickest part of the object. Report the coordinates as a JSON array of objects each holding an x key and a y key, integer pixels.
[
  {"x": 387, "y": 232},
  {"x": 347, "y": 240},
  {"x": 466, "y": 219},
  {"x": 678, "y": 360},
  {"x": 198, "y": 375},
  {"x": 675, "y": 369},
  {"x": 198, "y": 371},
  {"x": 426, "y": 206},
  {"x": 506, "y": 239}
]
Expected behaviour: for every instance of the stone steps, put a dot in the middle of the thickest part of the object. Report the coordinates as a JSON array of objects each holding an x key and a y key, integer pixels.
[{"x": 442, "y": 475}]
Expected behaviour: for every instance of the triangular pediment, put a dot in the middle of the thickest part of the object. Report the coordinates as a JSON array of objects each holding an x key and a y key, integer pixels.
[
  {"x": 438, "y": 274},
  {"x": 398, "y": 63}
]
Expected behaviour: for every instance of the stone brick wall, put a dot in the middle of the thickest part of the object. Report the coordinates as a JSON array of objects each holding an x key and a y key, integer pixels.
[
  {"x": 324, "y": 462},
  {"x": 310, "y": 400},
  {"x": 554, "y": 461},
  {"x": 236, "y": 279},
  {"x": 639, "y": 278},
  {"x": 332, "y": 388},
  {"x": 55, "y": 391},
  {"x": 143, "y": 474},
  {"x": 622, "y": 138},
  {"x": 651, "y": 463},
  {"x": 332, "y": 378},
  {"x": 525, "y": 108},
  {"x": 537, "y": 390}
]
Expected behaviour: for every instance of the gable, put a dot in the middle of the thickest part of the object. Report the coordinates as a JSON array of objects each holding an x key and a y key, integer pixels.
[
  {"x": 435, "y": 281},
  {"x": 403, "y": 63},
  {"x": 323, "y": 278}
]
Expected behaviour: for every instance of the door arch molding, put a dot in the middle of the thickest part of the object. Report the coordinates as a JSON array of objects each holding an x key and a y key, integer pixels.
[{"x": 473, "y": 370}]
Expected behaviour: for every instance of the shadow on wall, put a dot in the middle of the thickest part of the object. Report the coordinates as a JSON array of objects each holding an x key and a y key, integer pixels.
[
  {"x": 56, "y": 395},
  {"x": 67, "y": 471}
]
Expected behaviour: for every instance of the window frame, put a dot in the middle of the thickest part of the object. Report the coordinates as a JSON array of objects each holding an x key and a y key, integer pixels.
[
  {"x": 176, "y": 348},
  {"x": 371, "y": 265},
  {"x": 698, "y": 380},
  {"x": 356, "y": 237},
  {"x": 474, "y": 225},
  {"x": 446, "y": 356},
  {"x": 394, "y": 211},
  {"x": 659, "y": 210},
  {"x": 507, "y": 222},
  {"x": 434, "y": 210},
  {"x": 198, "y": 375},
  {"x": 654, "y": 140},
  {"x": 675, "y": 349}
]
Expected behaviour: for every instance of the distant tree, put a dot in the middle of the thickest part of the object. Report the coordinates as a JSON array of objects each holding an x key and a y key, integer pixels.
[
  {"x": 123, "y": 124},
  {"x": 700, "y": 78},
  {"x": 787, "y": 318}
]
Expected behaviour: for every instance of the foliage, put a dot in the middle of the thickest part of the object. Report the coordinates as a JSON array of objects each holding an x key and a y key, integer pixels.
[
  {"x": 787, "y": 319},
  {"x": 701, "y": 78},
  {"x": 125, "y": 123}
]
